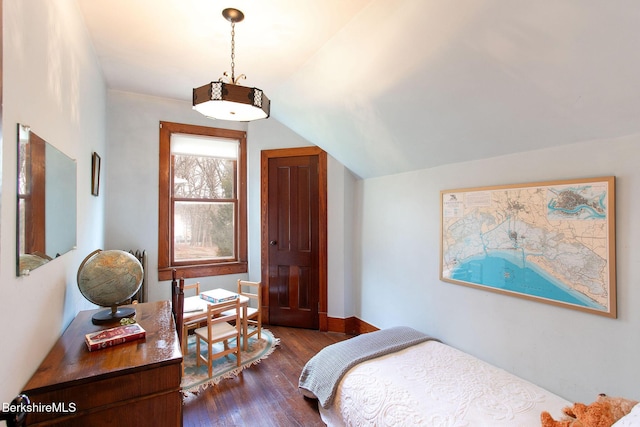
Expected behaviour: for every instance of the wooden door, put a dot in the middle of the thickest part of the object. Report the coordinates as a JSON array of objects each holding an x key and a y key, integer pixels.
[{"x": 294, "y": 241}]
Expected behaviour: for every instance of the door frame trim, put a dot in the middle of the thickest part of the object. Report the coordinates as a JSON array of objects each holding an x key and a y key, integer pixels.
[{"x": 322, "y": 226}]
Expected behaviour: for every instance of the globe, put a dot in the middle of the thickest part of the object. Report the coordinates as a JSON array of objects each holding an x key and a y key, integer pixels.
[{"x": 108, "y": 279}]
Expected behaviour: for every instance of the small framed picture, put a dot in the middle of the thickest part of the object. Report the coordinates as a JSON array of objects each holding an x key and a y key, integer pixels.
[{"x": 95, "y": 174}]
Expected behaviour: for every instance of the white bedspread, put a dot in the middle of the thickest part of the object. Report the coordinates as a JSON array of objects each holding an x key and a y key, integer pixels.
[{"x": 432, "y": 384}]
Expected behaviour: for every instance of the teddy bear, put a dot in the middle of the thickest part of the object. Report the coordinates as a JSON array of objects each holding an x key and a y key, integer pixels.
[{"x": 604, "y": 412}]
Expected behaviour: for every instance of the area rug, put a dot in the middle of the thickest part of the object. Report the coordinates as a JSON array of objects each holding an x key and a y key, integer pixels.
[{"x": 196, "y": 378}]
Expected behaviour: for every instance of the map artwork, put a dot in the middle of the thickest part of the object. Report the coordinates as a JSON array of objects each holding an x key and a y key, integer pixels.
[{"x": 552, "y": 242}]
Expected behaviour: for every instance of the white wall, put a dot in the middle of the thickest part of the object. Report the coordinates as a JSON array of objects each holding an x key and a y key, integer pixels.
[
  {"x": 271, "y": 134},
  {"x": 132, "y": 182},
  {"x": 52, "y": 83},
  {"x": 341, "y": 222},
  {"x": 574, "y": 354}
]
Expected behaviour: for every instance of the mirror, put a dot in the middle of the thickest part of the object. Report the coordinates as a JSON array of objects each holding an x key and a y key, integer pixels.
[{"x": 46, "y": 217}]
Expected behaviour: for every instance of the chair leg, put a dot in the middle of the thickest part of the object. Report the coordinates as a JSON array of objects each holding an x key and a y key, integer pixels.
[
  {"x": 182, "y": 364},
  {"x": 238, "y": 353},
  {"x": 210, "y": 359},
  {"x": 197, "y": 351},
  {"x": 245, "y": 331},
  {"x": 185, "y": 348}
]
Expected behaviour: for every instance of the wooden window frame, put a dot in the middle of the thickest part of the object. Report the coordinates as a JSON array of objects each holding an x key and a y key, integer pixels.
[{"x": 165, "y": 209}]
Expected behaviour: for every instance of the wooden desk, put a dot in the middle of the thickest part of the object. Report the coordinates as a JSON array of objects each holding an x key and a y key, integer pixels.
[
  {"x": 191, "y": 317},
  {"x": 135, "y": 383}
]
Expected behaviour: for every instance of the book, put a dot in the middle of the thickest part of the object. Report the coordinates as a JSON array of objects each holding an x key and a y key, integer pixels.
[
  {"x": 194, "y": 304},
  {"x": 114, "y": 336},
  {"x": 218, "y": 295}
]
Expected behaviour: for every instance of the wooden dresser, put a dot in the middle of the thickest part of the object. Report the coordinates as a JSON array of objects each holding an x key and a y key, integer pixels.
[{"x": 135, "y": 383}]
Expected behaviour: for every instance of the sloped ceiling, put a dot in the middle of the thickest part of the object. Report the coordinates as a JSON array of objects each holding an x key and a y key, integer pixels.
[{"x": 387, "y": 87}]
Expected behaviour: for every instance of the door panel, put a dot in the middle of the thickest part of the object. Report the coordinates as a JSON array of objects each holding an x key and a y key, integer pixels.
[{"x": 293, "y": 252}]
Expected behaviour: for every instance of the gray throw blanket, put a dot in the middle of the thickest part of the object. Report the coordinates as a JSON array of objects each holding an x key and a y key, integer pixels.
[{"x": 322, "y": 373}]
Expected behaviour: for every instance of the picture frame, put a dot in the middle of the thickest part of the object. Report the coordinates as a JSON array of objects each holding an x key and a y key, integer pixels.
[
  {"x": 95, "y": 174},
  {"x": 552, "y": 242}
]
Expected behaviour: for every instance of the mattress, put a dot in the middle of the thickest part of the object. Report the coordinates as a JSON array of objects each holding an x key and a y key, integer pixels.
[{"x": 432, "y": 384}]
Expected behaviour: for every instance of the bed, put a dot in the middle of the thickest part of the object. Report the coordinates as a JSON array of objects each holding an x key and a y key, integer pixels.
[{"x": 401, "y": 377}]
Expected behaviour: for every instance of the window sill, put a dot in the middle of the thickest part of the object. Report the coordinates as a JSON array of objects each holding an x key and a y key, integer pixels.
[{"x": 203, "y": 270}]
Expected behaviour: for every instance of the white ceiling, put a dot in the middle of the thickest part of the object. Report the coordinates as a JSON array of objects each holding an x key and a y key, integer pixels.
[{"x": 392, "y": 86}]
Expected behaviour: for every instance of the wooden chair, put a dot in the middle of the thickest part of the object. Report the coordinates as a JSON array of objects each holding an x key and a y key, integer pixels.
[
  {"x": 253, "y": 291},
  {"x": 177, "y": 302},
  {"x": 219, "y": 330},
  {"x": 189, "y": 326}
]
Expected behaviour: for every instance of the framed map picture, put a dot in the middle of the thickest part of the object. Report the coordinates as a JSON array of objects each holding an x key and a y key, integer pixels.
[{"x": 552, "y": 242}]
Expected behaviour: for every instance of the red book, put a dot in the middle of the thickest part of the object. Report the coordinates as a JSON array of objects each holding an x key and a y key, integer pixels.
[{"x": 114, "y": 336}]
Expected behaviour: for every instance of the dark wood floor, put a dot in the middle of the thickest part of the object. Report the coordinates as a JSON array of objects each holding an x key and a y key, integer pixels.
[{"x": 265, "y": 394}]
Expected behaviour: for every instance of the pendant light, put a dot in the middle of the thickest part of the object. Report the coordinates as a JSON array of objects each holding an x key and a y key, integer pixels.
[{"x": 229, "y": 100}]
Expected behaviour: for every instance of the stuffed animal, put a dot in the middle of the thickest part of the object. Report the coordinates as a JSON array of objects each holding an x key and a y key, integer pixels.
[{"x": 604, "y": 412}]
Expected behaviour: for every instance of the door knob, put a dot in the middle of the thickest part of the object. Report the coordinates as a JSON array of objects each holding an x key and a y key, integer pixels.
[{"x": 273, "y": 242}]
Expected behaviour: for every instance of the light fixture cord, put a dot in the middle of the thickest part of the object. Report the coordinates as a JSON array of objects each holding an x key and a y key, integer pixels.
[
  {"x": 233, "y": 52},
  {"x": 233, "y": 79}
]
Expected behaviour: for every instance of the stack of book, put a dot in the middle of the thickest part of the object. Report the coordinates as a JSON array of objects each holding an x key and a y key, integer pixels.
[{"x": 218, "y": 295}]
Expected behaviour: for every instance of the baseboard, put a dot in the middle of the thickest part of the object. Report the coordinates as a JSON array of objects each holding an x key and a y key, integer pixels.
[
  {"x": 335, "y": 324},
  {"x": 351, "y": 325}
]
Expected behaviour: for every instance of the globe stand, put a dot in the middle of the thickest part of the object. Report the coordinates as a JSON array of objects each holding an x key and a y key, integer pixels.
[{"x": 114, "y": 314}]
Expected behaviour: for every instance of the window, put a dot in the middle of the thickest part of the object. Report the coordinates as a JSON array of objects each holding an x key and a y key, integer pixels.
[{"x": 202, "y": 227}]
